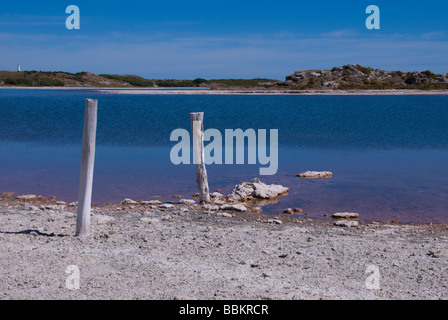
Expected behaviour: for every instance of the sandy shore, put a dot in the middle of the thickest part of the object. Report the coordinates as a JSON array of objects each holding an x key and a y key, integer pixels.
[
  {"x": 185, "y": 252},
  {"x": 196, "y": 91}
]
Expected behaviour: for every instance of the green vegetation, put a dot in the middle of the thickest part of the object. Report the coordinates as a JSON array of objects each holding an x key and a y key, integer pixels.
[
  {"x": 365, "y": 70},
  {"x": 429, "y": 74},
  {"x": 132, "y": 80}
]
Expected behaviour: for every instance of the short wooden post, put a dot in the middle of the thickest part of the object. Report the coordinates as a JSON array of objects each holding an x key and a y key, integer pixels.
[
  {"x": 87, "y": 163},
  {"x": 197, "y": 119}
]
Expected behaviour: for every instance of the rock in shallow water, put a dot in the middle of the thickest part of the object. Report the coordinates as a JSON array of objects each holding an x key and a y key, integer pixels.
[
  {"x": 256, "y": 189},
  {"x": 128, "y": 201},
  {"x": 315, "y": 174}
]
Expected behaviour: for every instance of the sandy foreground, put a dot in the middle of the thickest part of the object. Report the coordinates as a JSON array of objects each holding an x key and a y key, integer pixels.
[{"x": 186, "y": 252}]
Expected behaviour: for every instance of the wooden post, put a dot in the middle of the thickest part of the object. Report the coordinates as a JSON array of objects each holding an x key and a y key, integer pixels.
[
  {"x": 87, "y": 163},
  {"x": 198, "y": 155}
]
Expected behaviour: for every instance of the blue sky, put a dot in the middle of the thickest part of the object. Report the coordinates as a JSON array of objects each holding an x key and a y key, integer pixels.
[{"x": 222, "y": 39}]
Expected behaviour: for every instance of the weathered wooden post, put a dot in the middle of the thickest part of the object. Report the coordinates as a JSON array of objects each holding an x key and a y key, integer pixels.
[
  {"x": 87, "y": 163},
  {"x": 197, "y": 126}
]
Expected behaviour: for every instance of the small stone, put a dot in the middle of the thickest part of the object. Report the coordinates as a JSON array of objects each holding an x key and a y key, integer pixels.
[
  {"x": 61, "y": 203},
  {"x": 224, "y": 214},
  {"x": 219, "y": 202},
  {"x": 346, "y": 215},
  {"x": 210, "y": 207},
  {"x": 236, "y": 207},
  {"x": 274, "y": 221},
  {"x": 315, "y": 174},
  {"x": 166, "y": 206},
  {"x": 128, "y": 201},
  {"x": 196, "y": 195},
  {"x": 73, "y": 204},
  {"x": 288, "y": 210},
  {"x": 346, "y": 223},
  {"x": 27, "y": 197},
  {"x": 186, "y": 201},
  {"x": 177, "y": 196},
  {"x": 298, "y": 210},
  {"x": 152, "y": 202}
]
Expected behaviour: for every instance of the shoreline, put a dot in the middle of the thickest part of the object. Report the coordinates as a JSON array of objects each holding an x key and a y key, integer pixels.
[
  {"x": 180, "y": 252},
  {"x": 199, "y": 91}
]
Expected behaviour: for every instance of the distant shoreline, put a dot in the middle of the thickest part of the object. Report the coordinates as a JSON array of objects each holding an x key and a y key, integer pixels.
[{"x": 196, "y": 91}]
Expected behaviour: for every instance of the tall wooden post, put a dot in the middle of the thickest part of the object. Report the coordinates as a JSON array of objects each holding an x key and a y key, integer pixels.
[
  {"x": 198, "y": 155},
  {"x": 87, "y": 164}
]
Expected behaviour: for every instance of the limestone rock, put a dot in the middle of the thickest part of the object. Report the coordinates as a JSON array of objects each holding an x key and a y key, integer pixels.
[
  {"x": 128, "y": 201},
  {"x": 166, "y": 206},
  {"x": 346, "y": 223},
  {"x": 315, "y": 174},
  {"x": 210, "y": 207},
  {"x": 256, "y": 189},
  {"x": 345, "y": 215},
  {"x": 224, "y": 214},
  {"x": 186, "y": 201},
  {"x": 27, "y": 197},
  {"x": 235, "y": 207},
  {"x": 152, "y": 202}
]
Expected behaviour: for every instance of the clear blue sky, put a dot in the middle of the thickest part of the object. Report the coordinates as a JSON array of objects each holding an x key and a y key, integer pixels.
[{"x": 222, "y": 39}]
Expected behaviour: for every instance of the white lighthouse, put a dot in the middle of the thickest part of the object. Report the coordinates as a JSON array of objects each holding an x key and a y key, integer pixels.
[{"x": 18, "y": 67}]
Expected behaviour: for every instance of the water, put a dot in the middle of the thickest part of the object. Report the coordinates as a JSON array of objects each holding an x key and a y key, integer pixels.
[{"x": 388, "y": 153}]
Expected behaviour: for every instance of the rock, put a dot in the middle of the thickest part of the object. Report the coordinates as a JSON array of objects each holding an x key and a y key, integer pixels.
[
  {"x": 166, "y": 206},
  {"x": 196, "y": 195},
  {"x": 315, "y": 174},
  {"x": 256, "y": 189},
  {"x": 219, "y": 202},
  {"x": 235, "y": 207},
  {"x": 345, "y": 215},
  {"x": 152, "y": 202},
  {"x": 27, "y": 197},
  {"x": 298, "y": 210},
  {"x": 274, "y": 221},
  {"x": 288, "y": 210},
  {"x": 216, "y": 195},
  {"x": 177, "y": 196},
  {"x": 346, "y": 223},
  {"x": 7, "y": 195},
  {"x": 210, "y": 207},
  {"x": 186, "y": 201},
  {"x": 61, "y": 203},
  {"x": 128, "y": 201},
  {"x": 434, "y": 254},
  {"x": 224, "y": 214},
  {"x": 73, "y": 204}
]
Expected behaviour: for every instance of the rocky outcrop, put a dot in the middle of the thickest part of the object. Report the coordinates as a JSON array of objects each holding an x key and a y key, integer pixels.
[{"x": 359, "y": 77}]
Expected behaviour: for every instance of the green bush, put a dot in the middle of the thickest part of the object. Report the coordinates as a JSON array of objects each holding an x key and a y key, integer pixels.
[
  {"x": 50, "y": 82},
  {"x": 19, "y": 82}
]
